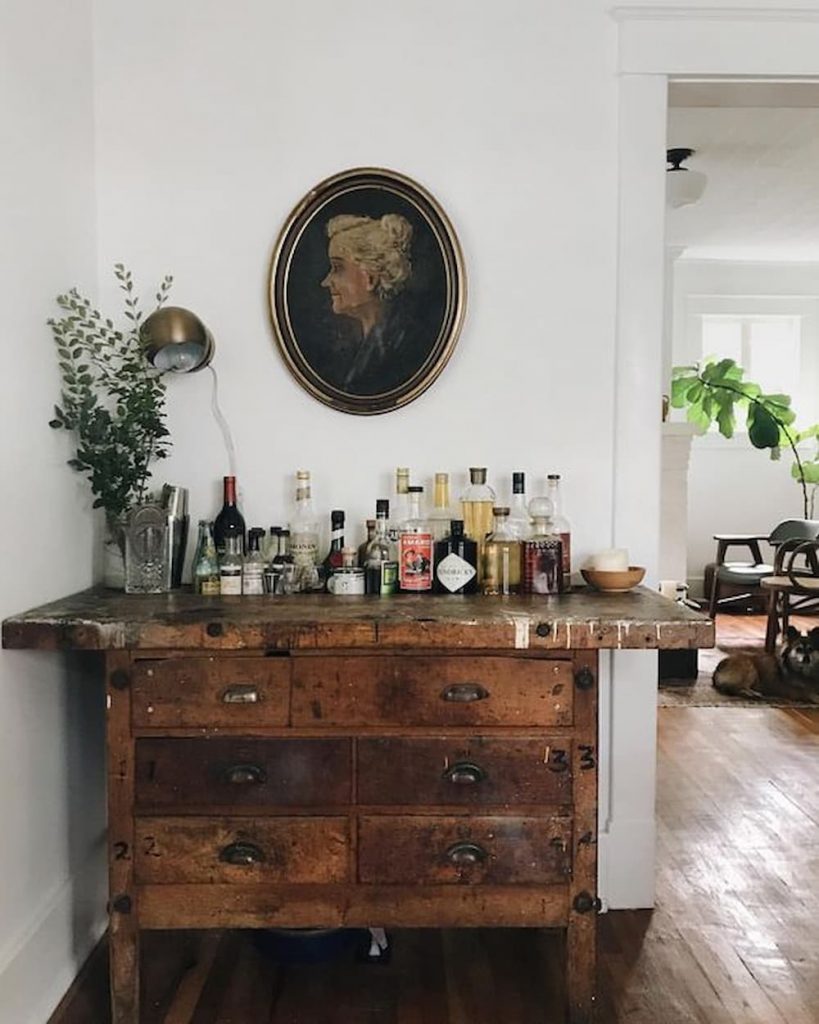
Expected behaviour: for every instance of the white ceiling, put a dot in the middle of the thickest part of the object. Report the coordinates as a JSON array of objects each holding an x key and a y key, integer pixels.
[{"x": 761, "y": 201}]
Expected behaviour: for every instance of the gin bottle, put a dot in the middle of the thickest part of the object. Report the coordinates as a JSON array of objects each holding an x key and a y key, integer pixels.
[
  {"x": 380, "y": 567},
  {"x": 477, "y": 503},
  {"x": 415, "y": 548},
  {"x": 560, "y": 522},
  {"x": 253, "y": 566},
  {"x": 518, "y": 520},
  {"x": 304, "y": 534},
  {"x": 205, "y": 563},
  {"x": 456, "y": 562},
  {"x": 441, "y": 515},
  {"x": 501, "y": 558}
]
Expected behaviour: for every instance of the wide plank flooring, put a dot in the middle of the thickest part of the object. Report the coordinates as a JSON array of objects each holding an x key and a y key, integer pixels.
[{"x": 734, "y": 938}]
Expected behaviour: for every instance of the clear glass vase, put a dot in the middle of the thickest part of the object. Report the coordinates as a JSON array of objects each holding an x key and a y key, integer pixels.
[{"x": 113, "y": 552}]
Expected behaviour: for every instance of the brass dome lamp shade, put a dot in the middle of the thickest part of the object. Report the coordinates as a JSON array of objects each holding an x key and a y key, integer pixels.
[{"x": 175, "y": 339}]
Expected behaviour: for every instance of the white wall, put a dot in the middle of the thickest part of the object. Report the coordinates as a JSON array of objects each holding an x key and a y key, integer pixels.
[
  {"x": 51, "y": 711},
  {"x": 733, "y": 487}
]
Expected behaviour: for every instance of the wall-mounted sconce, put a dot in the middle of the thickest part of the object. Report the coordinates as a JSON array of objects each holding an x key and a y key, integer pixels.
[
  {"x": 682, "y": 186},
  {"x": 175, "y": 339}
]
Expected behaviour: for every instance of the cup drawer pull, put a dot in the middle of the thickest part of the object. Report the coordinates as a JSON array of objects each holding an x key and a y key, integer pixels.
[
  {"x": 242, "y": 854},
  {"x": 464, "y": 693},
  {"x": 466, "y": 855},
  {"x": 464, "y": 773},
  {"x": 245, "y": 774},
  {"x": 241, "y": 693}
]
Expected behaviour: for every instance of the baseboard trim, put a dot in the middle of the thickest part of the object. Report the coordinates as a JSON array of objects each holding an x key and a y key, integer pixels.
[{"x": 50, "y": 955}]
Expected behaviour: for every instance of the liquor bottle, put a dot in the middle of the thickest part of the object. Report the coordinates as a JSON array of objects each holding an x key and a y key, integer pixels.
[
  {"x": 230, "y": 521},
  {"x": 542, "y": 552},
  {"x": 333, "y": 559},
  {"x": 442, "y": 514},
  {"x": 282, "y": 555},
  {"x": 561, "y": 523},
  {"x": 230, "y": 566},
  {"x": 400, "y": 507},
  {"x": 206, "y": 563},
  {"x": 380, "y": 566},
  {"x": 304, "y": 535},
  {"x": 362, "y": 548},
  {"x": 270, "y": 547},
  {"x": 477, "y": 503},
  {"x": 415, "y": 547},
  {"x": 501, "y": 558},
  {"x": 253, "y": 567},
  {"x": 518, "y": 521},
  {"x": 456, "y": 562}
]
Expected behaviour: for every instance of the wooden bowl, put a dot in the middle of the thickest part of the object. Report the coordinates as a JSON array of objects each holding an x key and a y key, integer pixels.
[{"x": 614, "y": 581}]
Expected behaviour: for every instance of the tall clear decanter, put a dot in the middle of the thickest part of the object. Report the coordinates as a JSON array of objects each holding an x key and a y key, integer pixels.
[
  {"x": 501, "y": 558},
  {"x": 477, "y": 502}
]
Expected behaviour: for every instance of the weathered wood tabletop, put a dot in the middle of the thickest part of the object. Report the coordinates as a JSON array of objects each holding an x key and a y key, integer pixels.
[{"x": 99, "y": 619}]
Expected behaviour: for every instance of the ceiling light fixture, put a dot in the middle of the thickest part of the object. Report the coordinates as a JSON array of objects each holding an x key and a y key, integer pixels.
[{"x": 682, "y": 186}]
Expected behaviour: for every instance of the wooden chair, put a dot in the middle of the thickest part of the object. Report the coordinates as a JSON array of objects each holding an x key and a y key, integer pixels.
[
  {"x": 748, "y": 576},
  {"x": 794, "y": 586}
]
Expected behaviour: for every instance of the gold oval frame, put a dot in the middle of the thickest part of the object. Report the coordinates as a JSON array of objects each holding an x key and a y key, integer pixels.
[{"x": 430, "y": 212}]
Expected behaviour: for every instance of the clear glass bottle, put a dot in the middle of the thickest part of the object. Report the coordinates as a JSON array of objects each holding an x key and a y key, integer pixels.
[
  {"x": 230, "y": 566},
  {"x": 271, "y": 545},
  {"x": 380, "y": 566},
  {"x": 477, "y": 503},
  {"x": 206, "y": 562},
  {"x": 441, "y": 514},
  {"x": 304, "y": 534},
  {"x": 518, "y": 521},
  {"x": 543, "y": 552},
  {"x": 254, "y": 563},
  {"x": 560, "y": 522},
  {"x": 501, "y": 558},
  {"x": 230, "y": 521},
  {"x": 400, "y": 505},
  {"x": 415, "y": 547},
  {"x": 456, "y": 562},
  {"x": 362, "y": 548},
  {"x": 283, "y": 555}
]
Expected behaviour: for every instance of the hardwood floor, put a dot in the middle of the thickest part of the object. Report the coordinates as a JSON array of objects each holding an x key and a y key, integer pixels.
[{"x": 733, "y": 939}]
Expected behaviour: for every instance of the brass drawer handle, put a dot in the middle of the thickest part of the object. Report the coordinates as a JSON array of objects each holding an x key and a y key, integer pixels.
[
  {"x": 464, "y": 693},
  {"x": 244, "y": 774},
  {"x": 465, "y": 773},
  {"x": 242, "y": 854},
  {"x": 241, "y": 693},
  {"x": 466, "y": 855}
]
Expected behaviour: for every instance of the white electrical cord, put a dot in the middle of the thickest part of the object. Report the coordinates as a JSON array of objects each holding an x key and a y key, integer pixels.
[{"x": 223, "y": 423}]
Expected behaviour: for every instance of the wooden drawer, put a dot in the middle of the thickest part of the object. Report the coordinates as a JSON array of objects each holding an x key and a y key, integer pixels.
[
  {"x": 228, "y": 772},
  {"x": 418, "y": 690},
  {"x": 191, "y": 850},
  {"x": 475, "y": 772},
  {"x": 411, "y": 850},
  {"x": 204, "y": 692}
]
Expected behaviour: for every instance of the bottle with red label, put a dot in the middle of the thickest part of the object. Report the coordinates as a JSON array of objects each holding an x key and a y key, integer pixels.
[{"x": 415, "y": 547}]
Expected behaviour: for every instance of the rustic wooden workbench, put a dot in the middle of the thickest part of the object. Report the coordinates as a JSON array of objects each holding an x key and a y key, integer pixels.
[{"x": 317, "y": 761}]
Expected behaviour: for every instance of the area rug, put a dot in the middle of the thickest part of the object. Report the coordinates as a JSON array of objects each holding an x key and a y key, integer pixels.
[{"x": 699, "y": 692}]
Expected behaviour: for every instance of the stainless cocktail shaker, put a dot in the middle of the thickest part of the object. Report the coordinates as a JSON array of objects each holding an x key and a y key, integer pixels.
[{"x": 175, "y": 503}]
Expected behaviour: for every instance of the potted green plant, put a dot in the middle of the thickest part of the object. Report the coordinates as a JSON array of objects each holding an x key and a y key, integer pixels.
[
  {"x": 114, "y": 403},
  {"x": 716, "y": 390}
]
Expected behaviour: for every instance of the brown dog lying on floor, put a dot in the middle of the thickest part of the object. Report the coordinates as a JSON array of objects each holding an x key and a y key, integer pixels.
[{"x": 793, "y": 673}]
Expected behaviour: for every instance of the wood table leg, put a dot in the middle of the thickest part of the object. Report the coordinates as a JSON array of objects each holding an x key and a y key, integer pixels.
[
  {"x": 772, "y": 627},
  {"x": 123, "y": 916},
  {"x": 581, "y": 936}
]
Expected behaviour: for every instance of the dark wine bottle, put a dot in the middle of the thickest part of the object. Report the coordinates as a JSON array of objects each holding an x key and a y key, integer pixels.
[
  {"x": 230, "y": 521},
  {"x": 333, "y": 559}
]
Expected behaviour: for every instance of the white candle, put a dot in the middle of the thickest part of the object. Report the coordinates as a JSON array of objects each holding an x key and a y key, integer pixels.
[{"x": 611, "y": 560}]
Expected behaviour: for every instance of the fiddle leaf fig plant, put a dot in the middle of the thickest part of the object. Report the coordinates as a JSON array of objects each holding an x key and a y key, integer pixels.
[
  {"x": 111, "y": 398},
  {"x": 716, "y": 392}
]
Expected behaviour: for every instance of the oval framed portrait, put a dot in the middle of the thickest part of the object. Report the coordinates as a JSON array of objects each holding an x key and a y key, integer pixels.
[{"x": 367, "y": 291}]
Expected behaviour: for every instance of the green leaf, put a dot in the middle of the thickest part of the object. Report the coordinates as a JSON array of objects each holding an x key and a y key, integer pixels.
[
  {"x": 726, "y": 421},
  {"x": 811, "y": 472},
  {"x": 763, "y": 430}
]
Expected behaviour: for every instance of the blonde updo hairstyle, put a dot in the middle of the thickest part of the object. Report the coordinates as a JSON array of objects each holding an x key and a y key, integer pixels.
[{"x": 380, "y": 245}]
